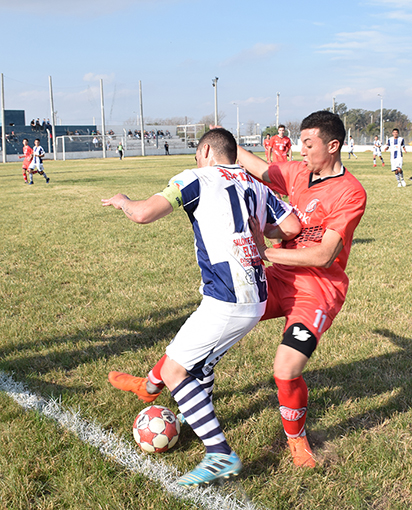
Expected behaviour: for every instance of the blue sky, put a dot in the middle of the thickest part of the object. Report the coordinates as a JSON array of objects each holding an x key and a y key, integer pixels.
[{"x": 308, "y": 51}]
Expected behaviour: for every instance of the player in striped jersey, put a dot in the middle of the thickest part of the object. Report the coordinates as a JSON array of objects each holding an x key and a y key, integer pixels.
[
  {"x": 396, "y": 145},
  {"x": 37, "y": 162},
  {"x": 377, "y": 151},
  {"x": 219, "y": 198}
]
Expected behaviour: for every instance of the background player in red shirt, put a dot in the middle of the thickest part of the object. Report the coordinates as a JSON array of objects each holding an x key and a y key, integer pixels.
[
  {"x": 280, "y": 146},
  {"x": 28, "y": 156},
  {"x": 266, "y": 146},
  {"x": 306, "y": 286}
]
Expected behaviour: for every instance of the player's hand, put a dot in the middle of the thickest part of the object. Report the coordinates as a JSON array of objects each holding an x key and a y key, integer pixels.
[
  {"x": 257, "y": 234},
  {"x": 117, "y": 201}
]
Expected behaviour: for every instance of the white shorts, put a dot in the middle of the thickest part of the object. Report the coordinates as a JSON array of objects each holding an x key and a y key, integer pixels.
[
  {"x": 208, "y": 333},
  {"x": 396, "y": 163},
  {"x": 36, "y": 166},
  {"x": 377, "y": 152}
]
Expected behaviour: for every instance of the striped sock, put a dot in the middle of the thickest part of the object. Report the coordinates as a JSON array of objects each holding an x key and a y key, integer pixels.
[{"x": 198, "y": 410}]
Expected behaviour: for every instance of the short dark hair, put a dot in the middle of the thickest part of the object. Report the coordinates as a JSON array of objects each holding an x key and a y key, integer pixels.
[
  {"x": 329, "y": 124},
  {"x": 25, "y": 139},
  {"x": 281, "y": 125},
  {"x": 37, "y": 139},
  {"x": 222, "y": 142},
  {"x": 395, "y": 129}
]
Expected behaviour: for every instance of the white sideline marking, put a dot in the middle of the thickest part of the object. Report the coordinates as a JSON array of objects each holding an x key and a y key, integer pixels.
[{"x": 119, "y": 450}]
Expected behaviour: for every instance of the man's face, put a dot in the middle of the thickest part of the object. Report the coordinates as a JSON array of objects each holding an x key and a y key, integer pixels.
[
  {"x": 281, "y": 132},
  {"x": 36, "y": 143},
  {"x": 315, "y": 152},
  {"x": 25, "y": 142},
  {"x": 395, "y": 133}
]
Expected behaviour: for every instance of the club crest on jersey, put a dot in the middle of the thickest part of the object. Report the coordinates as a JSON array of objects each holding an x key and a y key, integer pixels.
[
  {"x": 292, "y": 414},
  {"x": 312, "y": 205}
]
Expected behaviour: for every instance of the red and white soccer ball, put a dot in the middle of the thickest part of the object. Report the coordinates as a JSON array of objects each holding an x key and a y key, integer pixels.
[{"x": 156, "y": 429}]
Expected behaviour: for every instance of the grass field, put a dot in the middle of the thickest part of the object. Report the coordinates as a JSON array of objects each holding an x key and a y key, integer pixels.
[{"x": 85, "y": 291}]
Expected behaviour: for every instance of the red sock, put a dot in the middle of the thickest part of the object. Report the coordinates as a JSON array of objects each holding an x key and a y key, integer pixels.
[
  {"x": 154, "y": 374},
  {"x": 293, "y": 400}
]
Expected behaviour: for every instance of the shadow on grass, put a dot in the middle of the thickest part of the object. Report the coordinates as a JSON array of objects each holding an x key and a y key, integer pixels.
[
  {"x": 365, "y": 379},
  {"x": 100, "y": 342},
  {"x": 387, "y": 378}
]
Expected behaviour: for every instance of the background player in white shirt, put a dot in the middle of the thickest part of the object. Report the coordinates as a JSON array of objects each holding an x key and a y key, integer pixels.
[
  {"x": 377, "y": 151},
  {"x": 351, "y": 146},
  {"x": 396, "y": 145},
  {"x": 219, "y": 197},
  {"x": 36, "y": 164}
]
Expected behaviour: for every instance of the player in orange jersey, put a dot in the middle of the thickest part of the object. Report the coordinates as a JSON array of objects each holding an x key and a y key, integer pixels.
[
  {"x": 28, "y": 156},
  {"x": 307, "y": 283},
  {"x": 280, "y": 146},
  {"x": 266, "y": 146}
]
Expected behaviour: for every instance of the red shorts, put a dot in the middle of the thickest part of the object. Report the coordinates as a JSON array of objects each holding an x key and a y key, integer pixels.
[{"x": 298, "y": 307}]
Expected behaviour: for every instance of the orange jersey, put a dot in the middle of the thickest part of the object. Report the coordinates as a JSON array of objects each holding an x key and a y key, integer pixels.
[
  {"x": 266, "y": 144},
  {"x": 280, "y": 147},
  {"x": 337, "y": 203}
]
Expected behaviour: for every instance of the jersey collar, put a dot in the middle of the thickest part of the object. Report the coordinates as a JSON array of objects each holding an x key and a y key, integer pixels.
[{"x": 323, "y": 179}]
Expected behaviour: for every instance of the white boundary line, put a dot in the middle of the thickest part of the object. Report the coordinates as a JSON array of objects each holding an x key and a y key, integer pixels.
[{"x": 119, "y": 450}]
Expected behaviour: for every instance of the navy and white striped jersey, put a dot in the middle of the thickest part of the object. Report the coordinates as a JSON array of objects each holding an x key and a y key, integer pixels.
[
  {"x": 38, "y": 154},
  {"x": 219, "y": 201},
  {"x": 395, "y": 146}
]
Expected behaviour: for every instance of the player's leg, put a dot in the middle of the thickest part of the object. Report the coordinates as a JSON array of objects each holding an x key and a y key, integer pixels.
[
  {"x": 43, "y": 173},
  {"x": 149, "y": 388},
  {"x": 195, "y": 351},
  {"x": 24, "y": 169},
  {"x": 298, "y": 343},
  {"x": 31, "y": 172},
  {"x": 146, "y": 388}
]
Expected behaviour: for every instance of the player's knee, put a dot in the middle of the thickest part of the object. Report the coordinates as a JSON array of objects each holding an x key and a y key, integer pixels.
[{"x": 300, "y": 338}]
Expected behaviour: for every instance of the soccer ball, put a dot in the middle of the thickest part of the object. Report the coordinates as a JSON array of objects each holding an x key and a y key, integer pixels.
[{"x": 156, "y": 429}]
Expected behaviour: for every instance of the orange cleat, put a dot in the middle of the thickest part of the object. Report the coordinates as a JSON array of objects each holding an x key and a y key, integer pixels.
[
  {"x": 301, "y": 452},
  {"x": 137, "y": 385}
]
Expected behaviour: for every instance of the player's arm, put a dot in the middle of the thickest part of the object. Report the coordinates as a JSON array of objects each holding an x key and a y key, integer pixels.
[
  {"x": 289, "y": 228},
  {"x": 141, "y": 211},
  {"x": 253, "y": 164},
  {"x": 321, "y": 255}
]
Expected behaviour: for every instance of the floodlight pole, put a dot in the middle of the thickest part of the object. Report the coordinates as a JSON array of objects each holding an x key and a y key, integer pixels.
[
  {"x": 214, "y": 84},
  {"x": 3, "y": 122},
  {"x": 381, "y": 124},
  {"x": 103, "y": 120},
  {"x": 237, "y": 124},
  {"x": 277, "y": 109},
  {"x": 141, "y": 119},
  {"x": 53, "y": 118},
  {"x": 333, "y": 105}
]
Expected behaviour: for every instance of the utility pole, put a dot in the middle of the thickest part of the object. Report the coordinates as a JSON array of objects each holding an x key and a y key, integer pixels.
[
  {"x": 277, "y": 109},
  {"x": 3, "y": 122},
  {"x": 103, "y": 120},
  {"x": 141, "y": 119},
  {"x": 53, "y": 118},
  {"x": 381, "y": 123},
  {"x": 214, "y": 84}
]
